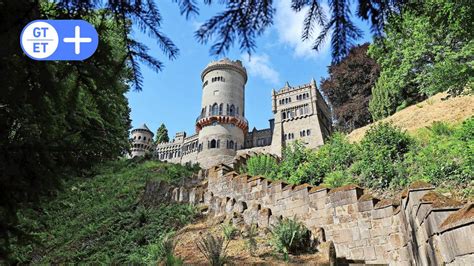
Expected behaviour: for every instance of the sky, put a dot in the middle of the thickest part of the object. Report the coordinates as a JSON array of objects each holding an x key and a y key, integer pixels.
[{"x": 173, "y": 96}]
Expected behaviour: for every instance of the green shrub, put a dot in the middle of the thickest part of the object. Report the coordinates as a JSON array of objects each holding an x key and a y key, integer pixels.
[
  {"x": 229, "y": 230},
  {"x": 290, "y": 237},
  {"x": 298, "y": 164},
  {"x": 380, "y": 156},
  {"x": 440, "y": 129},
  {"x": 339, "y": 178},
  {"x": 336, "y": 154},
  {"x": 213, "y": 249},
  {"x": 251, "y": 241},
  {"x": 447, "y": 158},
  {"x": 264, "y": 165},
  {"x": 163, "y": 251}
]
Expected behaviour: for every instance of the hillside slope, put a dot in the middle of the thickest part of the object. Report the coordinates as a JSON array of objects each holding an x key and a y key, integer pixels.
[{"x": 436, "y": 108}]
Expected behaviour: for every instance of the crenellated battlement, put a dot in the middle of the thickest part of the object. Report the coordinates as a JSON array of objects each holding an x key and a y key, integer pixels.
[{"x": 421, "y": 227}]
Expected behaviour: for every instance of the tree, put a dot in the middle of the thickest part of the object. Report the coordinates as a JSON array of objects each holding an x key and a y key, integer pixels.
[
  {"x": 349, "y": 87},
  {"x": 57, "y": 119},
  {"x": 162, "y": 134},
  {"x": 426, "y": 50},
  {"x": 244, "y": 20}
]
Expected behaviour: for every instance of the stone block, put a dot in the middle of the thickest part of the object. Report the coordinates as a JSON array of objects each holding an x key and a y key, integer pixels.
[
  {"x": 369, "y": 253},
  {"x": 263, "y": 217}
]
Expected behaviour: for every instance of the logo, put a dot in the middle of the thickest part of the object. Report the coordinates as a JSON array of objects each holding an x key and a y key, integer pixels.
[{"x": 59, "y": 40}]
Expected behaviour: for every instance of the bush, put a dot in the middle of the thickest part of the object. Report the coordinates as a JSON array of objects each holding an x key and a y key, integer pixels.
[
  {"x": 290, "y": 237},
  {"x": 213, "y": 249},
  {"x": 380, "y": 156},
  {"x": 447, "y": 158},
  {"x": 163, "y": 251},
  {"x": 335, "y": 155},
  {"x": 251, "y": 242},
  {"x": 298, "y": 164},
  {"x": 229, "y": 230},
  {"x": 264, "y": 165},
  {"x": 339, "y": 178}
]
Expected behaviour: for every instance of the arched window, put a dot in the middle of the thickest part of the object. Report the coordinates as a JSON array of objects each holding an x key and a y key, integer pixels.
[
  {"x": 144, "y": 138},
  {"x": 231, "y": 144},
  {"x": 221, "y": 107},
  {"x": 215, "y": 109},
  {"x": 134, "y": 137},
  {"x": 139, "y": 137},
  {"x": 213, "y": 144},
  {"x": 218, "y": 143},
  {"x": 283, "y": 115},
  {"x": 308, "y": 132},
  {"x": 232, "y": 110},
  {"x": 227, "y": 109}
]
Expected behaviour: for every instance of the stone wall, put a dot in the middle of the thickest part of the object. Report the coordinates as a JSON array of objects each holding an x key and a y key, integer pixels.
[{"x": 421, "y": 228}]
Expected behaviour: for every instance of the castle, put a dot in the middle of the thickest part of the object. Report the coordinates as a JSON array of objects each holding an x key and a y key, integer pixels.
[{"x": 222, "y": 131}]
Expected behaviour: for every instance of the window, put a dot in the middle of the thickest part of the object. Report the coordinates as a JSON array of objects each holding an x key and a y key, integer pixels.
[
  {"x": 134, "y": 137},
  {"x": 215, "y": 109},
  {"x": 205, "y": 84},
  {"x": 216, "y": 92},
  {"x": 308, "y": 132},
  {"x": 231, "y": 145},
  {"x": 232, "y": 110},
  {"x": 227, "y": 109},
  {"x": 221, "y": 106},
  {"x": 213, "y": 144},
  {"x": 285, "y": 137},
  {"x": 144, "y": 138},
  {"x": 283, "y": 115},
  {"x": 139, "y": 137}
]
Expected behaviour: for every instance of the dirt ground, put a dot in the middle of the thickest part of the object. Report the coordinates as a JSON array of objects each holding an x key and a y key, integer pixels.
[
  {"x": 436, "y": 108},
  {"x": 237, "y": 251}
]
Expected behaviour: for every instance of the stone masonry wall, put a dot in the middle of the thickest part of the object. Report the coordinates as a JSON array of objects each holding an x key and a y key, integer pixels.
[{"x": 423, "y": 228}]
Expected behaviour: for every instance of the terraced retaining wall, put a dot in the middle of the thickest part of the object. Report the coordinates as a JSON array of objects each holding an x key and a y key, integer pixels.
[{"x": 423, "y": 228}]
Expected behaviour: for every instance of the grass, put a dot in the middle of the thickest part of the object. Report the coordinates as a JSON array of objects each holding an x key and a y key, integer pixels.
[{"x": 100, "y": 219}]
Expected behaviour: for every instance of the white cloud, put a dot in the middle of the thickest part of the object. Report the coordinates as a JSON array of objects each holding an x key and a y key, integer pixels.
[
  {"x": 289, "y": 26},
  {"x": 260, "y": 66}
]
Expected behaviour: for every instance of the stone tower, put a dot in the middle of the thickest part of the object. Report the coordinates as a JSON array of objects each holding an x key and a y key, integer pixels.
[
  {"x": 142, "y": 140},
  {"x": 301, "y": 114},
  {"x": 221, "y": 125}
]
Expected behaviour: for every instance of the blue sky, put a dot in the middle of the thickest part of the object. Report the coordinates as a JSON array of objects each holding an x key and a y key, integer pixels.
[{"x": 173, "y": 96}]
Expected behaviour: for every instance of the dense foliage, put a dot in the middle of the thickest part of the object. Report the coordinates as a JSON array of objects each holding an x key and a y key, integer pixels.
[
  {"x": 56, "y": 118},
  {"x": 101, "y": 219},
  {"x": 386, "y": 158},
  {"x": 290, "y": 237},
  {"x": 263, "y": 165},
  {"x": 380, "y": 154},
  {"x": 427, "y": 49},
  {"x": 349, "y": 88},
  {"x": 162, "y": 134}
]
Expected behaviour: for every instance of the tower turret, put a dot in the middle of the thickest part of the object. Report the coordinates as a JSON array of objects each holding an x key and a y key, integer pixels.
[
  {"x": 142, "y": 140},
  {"x": 221, "y": 124}
]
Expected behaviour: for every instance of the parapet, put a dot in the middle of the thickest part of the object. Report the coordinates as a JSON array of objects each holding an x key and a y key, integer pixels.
[{"x": 225, "y": 63}]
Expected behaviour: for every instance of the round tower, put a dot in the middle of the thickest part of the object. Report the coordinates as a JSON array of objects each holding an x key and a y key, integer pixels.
[
  {"x": 142, "y": 140},
  {"x": 221, "y": 125}
]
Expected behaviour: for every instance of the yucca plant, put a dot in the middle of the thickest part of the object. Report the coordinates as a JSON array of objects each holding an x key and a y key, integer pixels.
[
  {"x": 229, "y": 230},
  {"x": 214, "y": 249},
  {"x": 290, "y": 237}
]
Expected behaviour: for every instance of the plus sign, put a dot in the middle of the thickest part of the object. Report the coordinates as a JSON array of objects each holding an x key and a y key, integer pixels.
[{"x": 77, "y": 40}]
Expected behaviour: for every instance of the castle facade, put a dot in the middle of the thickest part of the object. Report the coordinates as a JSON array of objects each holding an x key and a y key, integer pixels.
[{"x": 222, "y": 131}]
